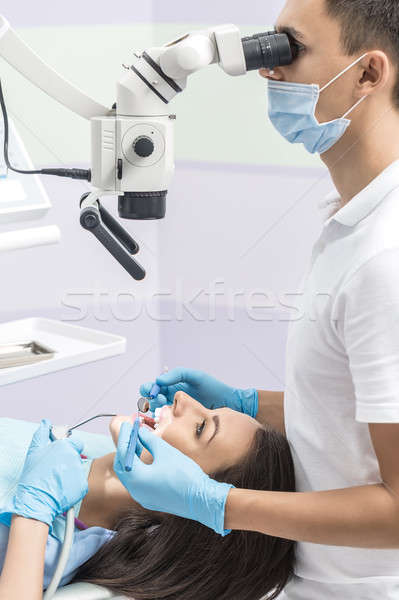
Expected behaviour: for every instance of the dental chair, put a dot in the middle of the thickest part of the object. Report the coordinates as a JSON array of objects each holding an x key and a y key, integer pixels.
[{"x": 85, "y": 591}]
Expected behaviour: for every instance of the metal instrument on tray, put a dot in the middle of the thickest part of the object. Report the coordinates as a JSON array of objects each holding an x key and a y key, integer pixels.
[{"x": 16, "y": 354}]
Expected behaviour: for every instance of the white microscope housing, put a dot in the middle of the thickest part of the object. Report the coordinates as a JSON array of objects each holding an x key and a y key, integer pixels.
[{"x": 133, "y": 150}]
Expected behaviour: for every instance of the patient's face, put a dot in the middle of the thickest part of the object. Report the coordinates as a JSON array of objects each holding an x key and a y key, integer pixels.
[{"x": 215, "y": 439}]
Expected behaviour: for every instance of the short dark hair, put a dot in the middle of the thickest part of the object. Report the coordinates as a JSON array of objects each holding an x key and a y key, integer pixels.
[
  {"x": 155, "y": 555},
  {"x": 367, "y": 24}
]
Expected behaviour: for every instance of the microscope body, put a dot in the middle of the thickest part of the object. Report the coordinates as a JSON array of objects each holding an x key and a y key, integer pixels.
[
  {"x": 133, "y": 148},
  {"x": 144, "y": 146}
]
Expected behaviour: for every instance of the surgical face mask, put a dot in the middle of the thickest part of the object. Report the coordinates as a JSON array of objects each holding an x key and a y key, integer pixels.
[{"x": 292, "y": 109}]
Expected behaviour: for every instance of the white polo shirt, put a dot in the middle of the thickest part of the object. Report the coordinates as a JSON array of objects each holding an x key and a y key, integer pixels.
[{"x": 343, "y": 367}]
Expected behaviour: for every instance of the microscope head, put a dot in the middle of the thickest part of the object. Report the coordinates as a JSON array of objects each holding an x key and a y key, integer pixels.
[{"x": 144, "y": 131}]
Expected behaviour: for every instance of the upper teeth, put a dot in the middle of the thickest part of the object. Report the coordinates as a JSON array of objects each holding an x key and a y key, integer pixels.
[{"x": 158, "y": 411}]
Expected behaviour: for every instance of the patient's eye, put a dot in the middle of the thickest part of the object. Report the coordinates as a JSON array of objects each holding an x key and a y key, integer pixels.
[{"x": 200, "y": 428}]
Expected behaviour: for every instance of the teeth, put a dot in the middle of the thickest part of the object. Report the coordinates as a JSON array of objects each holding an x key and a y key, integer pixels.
[
  {"x": 156, "y": 425},
  {"x": 157, "y": 419},
  {"x": 158, "y": 411}
]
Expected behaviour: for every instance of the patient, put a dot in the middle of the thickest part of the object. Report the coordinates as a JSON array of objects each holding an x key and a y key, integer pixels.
[{"x": 158, "y": 556}]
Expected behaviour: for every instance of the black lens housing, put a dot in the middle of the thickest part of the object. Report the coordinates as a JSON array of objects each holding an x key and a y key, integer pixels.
[
  {"x": 268, "y": 50},
  {"x": 142, "y": 206}
]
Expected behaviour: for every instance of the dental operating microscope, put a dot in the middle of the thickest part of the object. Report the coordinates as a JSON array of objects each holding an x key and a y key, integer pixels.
[{"x": 132, "y": 143}]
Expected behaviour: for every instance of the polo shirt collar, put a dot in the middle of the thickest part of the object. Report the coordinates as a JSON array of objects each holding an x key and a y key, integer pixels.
[{"x": 361, "y": 205}]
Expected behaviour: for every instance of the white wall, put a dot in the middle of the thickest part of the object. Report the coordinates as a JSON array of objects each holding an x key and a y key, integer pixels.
[{"x": 246, "y": 234}]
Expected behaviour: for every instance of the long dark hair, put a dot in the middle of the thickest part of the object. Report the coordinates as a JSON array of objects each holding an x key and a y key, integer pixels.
[{"x": 156, "y": 556}]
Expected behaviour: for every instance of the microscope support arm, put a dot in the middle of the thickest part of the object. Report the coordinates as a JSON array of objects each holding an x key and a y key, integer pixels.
[{"x": 20, "y": 56}]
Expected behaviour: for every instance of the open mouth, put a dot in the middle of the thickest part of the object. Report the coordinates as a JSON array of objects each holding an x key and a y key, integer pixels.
[{"x": 163, "y": 418}]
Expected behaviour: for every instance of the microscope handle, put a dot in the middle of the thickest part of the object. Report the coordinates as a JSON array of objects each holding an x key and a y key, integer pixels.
[
  {"x": 90, "y": 219},
  {"x": 116, "y": 228}
]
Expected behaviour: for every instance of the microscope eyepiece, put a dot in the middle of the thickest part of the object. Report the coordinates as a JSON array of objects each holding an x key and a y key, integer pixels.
[{"x": 268, "y": 50}]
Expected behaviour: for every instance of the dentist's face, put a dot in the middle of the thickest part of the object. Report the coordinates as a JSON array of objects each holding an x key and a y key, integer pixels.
[
  {"x": 214, "y": 439},
  {"x": 320, "y": 58}
]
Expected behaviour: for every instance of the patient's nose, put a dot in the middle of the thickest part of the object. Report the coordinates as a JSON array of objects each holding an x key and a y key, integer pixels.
[
  {"x": 185, "y": 403},
  {"x": 179, "y": 403}
]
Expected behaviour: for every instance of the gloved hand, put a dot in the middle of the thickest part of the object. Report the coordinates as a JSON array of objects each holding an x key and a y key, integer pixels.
[
  {"x": 204, "y": 388},
  {"x": 173, "y": 483},
  {"x": 52, "y": 479}
]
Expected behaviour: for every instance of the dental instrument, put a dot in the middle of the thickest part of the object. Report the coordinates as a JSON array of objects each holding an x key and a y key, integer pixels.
[
  {"x": 15, "y": 354},
  {"x": 154, "y": 391},
  {"x": 131, "y": 449},
  {"x": 60, "y": 432},
  {"x": 143, "y": 403},
  {"x": 133, "y": 142}
]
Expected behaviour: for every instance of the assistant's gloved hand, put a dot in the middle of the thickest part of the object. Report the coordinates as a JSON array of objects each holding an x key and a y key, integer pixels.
[
  {"x": 204, "y": 388},
  {"x": 173, "y": 483},
  {"x": 52, "y": 479}
]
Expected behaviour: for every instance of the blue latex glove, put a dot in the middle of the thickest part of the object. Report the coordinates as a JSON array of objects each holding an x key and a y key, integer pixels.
[
  {"x": 52, "y": 479},
  {"x": 204, "y": 388},
  {"x": 173, "y": 483}
]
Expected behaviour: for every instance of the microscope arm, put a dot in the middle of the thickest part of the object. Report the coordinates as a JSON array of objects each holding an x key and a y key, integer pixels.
[
  {"x": 177, "y": 60},
  {"x": 20, "y": 56}
]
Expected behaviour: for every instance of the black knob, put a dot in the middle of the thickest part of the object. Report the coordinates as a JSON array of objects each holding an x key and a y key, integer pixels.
[{"x": 143, "y": 146}]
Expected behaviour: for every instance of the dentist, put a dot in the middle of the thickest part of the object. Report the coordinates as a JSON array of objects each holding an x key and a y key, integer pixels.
[{"x": 340, "y": 407}]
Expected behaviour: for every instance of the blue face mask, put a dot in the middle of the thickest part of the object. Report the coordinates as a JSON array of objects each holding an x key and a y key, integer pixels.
[{"x": 292, "y": 109}]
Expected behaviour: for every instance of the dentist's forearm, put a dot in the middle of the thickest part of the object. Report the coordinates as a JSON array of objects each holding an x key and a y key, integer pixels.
[
  {"x": 271, "y": 410},
  {"x": 359, "y": 517},
  {"x": 22, "y": 575}
]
